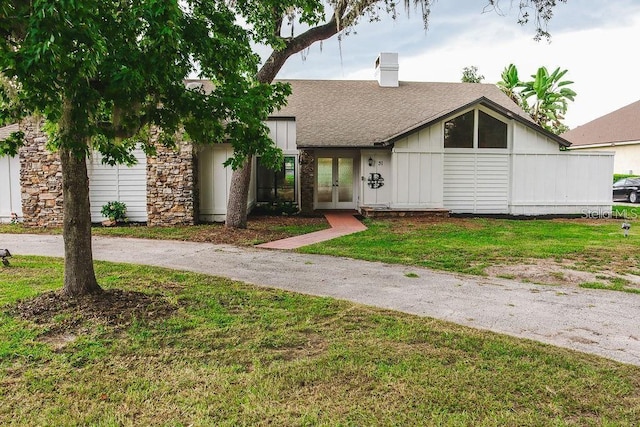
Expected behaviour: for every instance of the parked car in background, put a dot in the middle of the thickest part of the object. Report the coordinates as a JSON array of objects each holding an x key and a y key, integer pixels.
[{"x": 627, "y": 189}]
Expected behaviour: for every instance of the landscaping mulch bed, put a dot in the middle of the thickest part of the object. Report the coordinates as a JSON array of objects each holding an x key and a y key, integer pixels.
[
  {"x": 114, "y": 309},
  {"x": 259, "y": 229}
]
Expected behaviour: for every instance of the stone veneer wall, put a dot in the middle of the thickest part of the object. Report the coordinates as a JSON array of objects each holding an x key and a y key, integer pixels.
[
  {"x": 40, "y": 178},
  {"x": 171, "y": 183},
  {"x": 307, "y": 181},
  {"x": 171, "y": 186}
]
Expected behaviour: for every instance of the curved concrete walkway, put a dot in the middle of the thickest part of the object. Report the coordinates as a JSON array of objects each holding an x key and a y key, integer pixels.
[
  {"x": 600, "y": 322},
  {"x": 342, "y": 223}
]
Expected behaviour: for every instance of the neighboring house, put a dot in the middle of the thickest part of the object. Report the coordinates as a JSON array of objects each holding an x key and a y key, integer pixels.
[
  {"x": 377, "y": 147},
  {"x": 618, "y": 131}
]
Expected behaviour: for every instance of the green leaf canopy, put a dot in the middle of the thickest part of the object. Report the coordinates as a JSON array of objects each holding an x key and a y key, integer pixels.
[{"x": 103, "y": 71}]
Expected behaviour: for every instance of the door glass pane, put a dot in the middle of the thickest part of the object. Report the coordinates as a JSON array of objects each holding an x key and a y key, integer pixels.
[
  {"x": 345, "y": 180},
  {"x": 287, "y": 187},
  {"x": 325, "y": 179}
]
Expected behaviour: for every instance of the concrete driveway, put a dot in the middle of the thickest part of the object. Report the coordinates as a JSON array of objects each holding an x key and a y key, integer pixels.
[{"x": 605, "y": 323}]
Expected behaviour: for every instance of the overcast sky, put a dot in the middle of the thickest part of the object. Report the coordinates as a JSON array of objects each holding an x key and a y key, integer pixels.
[{"x": 596, "y": 40}]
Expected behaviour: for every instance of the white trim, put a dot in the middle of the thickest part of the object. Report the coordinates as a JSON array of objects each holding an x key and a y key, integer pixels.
[
  {"x": 335, "y": 155},
  {"x": 476, "y": 123},
  {"x": 604, "y": 144}
]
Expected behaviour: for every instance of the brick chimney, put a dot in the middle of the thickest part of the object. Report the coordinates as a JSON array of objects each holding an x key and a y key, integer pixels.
[{"x": 387, "y": 69}]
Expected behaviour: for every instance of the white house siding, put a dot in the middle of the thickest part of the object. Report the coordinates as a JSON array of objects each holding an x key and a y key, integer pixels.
[
  {"x": 561, "y": 183},
  {"x": 381, "y": 160},
  {"x": 283, "y": 133},
  {"x": 214, "y": 179},
  {"x": 10, "y": 200},
  {"x": 527, "y": 140},
  {"x": 127, "y": 184},
  {"x": 417, "y": 170},
  {"x": 476, "y": 182}
]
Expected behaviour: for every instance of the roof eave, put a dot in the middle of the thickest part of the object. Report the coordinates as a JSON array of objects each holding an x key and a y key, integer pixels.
[{"x": 487, "y": 103}]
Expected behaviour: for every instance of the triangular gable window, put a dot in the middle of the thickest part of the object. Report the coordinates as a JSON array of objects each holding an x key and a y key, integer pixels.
[{"x": 475, "y": 129}]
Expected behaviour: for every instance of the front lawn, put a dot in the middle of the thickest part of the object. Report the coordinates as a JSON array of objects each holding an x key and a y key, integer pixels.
[
  {"x": 470, "y": 245},
  {"x": 538, "y": 250},
  {"x": 188, "y": 349}
]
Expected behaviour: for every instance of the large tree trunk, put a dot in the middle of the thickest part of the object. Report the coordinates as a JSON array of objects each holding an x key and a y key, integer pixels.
[
  {"x": 79, "y": 275},
  {"x": 240, "y": 178},
  {"x": 239, "y": 196}
]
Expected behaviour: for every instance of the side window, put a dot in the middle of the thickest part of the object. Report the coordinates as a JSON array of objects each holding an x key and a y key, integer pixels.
[
  {"x": 276, "y": 185},
  {"x": 458, "y": 132},
  {"x": 492, "y": 133}
]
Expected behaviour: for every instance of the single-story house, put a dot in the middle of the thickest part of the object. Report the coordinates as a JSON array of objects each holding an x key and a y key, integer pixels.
[
  {"x": 380, "y": 146},
  {"x": 618, "y": 131}
]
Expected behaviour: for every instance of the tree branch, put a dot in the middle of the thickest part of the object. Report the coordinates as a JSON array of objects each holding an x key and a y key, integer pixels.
[{"x": 276, "y": 60}]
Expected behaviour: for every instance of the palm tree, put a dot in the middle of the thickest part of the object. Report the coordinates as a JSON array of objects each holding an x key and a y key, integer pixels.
[
  {"x": 510, "y": 82},
  {"x": 550, "y": 93},
  {"x": 551, "y": 98}
]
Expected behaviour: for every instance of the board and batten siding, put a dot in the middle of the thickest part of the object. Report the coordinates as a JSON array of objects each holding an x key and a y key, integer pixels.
[
  {"x": 10, "y": 198},
  {"x": 561, "y": 183},
  {"x": 381, "y": 160},
  {"x": 214, "y": 179},
  {"x": 417, "y": 170},
  {"x": 547, "y": 181},
  {"x": 283, "y": 133},
  {"x": 528, "y": 140},
  {"x": 126, "y": 184},
  {"x": 476, "y": 182}
]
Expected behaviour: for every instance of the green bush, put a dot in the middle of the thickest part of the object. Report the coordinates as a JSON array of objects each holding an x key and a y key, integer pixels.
[
  {"x": 280, "y": 207},
  {"x": 115, "y": 211},
  {"x": 619, "y": 176}
]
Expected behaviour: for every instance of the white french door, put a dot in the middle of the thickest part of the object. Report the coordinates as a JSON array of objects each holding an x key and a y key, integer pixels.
[{"x": 335, "y": 182}]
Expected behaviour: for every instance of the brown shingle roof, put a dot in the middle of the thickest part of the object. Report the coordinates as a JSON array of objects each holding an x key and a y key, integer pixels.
[
  {"x": 5, "y": 131},
  {"x": 348, "y": 113},
  {"x": 622, "y": 125}
]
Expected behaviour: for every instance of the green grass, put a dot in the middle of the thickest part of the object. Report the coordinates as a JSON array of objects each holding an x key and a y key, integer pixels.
[
  {"x": 612, "y": 284},
  {"x": 626, "y": 212},
  {"x": 233, "y": 354},
  {"x": 471, "y": 245}
]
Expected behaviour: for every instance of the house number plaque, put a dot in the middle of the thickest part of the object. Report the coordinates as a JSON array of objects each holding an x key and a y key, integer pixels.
[{"x": 375, "y": 180}]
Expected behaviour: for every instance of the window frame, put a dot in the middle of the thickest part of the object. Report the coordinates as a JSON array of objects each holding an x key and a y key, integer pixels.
[
  {"x": 476, "y": 121},
  {"x": 275, "y": 186}
]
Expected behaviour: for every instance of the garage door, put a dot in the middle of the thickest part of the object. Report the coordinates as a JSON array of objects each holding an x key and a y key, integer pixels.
[{"x": 10, "y": 200}]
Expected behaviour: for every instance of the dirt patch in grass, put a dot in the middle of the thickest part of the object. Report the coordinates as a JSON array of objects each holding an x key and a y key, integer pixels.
[
  {"x": 63, "y": 317},
  {"x": 550, "y": 272},
  {"x": 542, "y": 271}
]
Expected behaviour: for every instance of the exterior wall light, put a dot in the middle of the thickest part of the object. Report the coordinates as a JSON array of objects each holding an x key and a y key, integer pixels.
[{"x": 370, "y": 161}]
